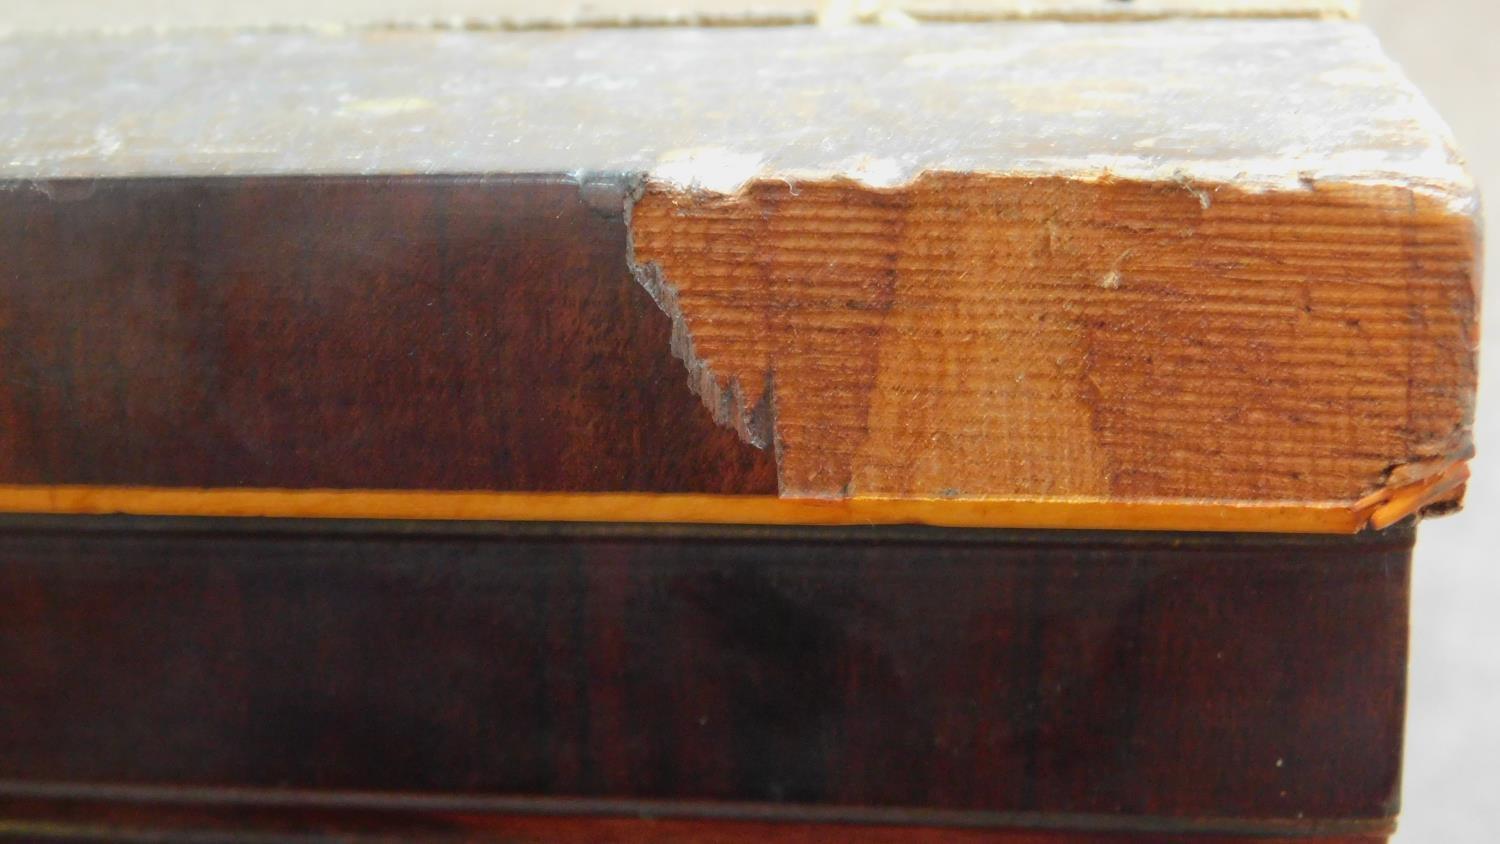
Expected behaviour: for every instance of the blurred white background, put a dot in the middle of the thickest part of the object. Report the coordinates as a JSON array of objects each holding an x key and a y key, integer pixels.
[{"x": 1452, "y": 791}]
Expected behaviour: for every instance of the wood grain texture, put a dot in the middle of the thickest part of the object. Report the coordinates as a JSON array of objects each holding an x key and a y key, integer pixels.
[
  {"x": 1132, "y": 361},
  {"x": 975, "y": 335},
  {"x": 449, "y": 333},
  {"x": 1217, "y": 681}
]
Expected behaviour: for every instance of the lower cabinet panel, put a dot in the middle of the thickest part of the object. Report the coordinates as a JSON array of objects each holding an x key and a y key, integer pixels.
[{"x": 616, "y": 682}]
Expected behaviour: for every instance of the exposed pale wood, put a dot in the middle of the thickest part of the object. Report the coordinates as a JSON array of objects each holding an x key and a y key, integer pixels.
[{"x": 976, "y": 335}]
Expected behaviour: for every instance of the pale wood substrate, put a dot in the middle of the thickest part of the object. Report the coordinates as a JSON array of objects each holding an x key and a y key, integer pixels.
[{"x": 969, "y": 335}]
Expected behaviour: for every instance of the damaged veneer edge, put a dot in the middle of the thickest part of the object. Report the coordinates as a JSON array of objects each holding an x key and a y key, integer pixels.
[
  {"x": 1226, "y": 326},
  {"x": 1427, "y": 486},
  {"x": 1418, "y": 487},
  {"x": 1412, "y": 489},
  {"x": 1404, "y": 487}
]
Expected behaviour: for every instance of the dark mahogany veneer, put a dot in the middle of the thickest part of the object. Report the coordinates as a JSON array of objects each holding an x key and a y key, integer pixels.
[
  {"x": 195, "y": 679},
  {"x": 1130, "y": 681},
  {"x": 386, "y": 333}
]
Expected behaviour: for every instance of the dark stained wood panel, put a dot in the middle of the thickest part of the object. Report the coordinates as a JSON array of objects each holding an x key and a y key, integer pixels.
[
  {"x": 1234, "y": 678},
  {"x": 403, "y": 333}
]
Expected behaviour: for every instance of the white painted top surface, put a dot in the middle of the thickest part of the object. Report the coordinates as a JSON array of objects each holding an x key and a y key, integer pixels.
[
  {"x": 1256, "y": 102},
  {"x": 132, "y": 15}
]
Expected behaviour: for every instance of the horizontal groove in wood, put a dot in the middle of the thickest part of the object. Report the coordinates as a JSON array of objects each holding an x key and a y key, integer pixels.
[{"x": 524, "y": 819}]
